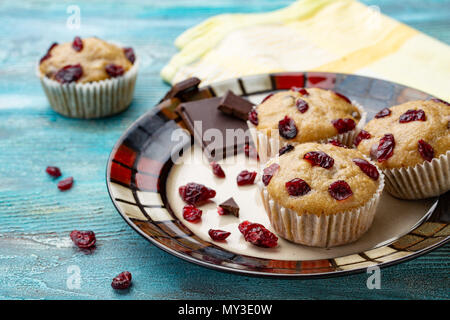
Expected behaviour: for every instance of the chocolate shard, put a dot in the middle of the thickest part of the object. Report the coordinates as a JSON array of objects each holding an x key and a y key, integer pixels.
[
  {"x": 183, "y": 89},
  {"x": 235, "y": 106},
  {"x": 218, "y": 134},
  {"x": 230, "y": 207}
]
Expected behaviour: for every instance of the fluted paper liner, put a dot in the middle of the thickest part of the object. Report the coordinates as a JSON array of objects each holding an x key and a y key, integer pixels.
[
  {"x": 321, "y": 230},
  {"x": 269, "y": 147},
  {"x": 425, "y": 180},
  {"x": 94, "y": 99}
]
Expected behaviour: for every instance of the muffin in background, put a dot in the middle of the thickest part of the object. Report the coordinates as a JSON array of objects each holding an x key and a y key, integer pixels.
[
  {"x": 410, "y": 142},
  {"x": 88, "y": 78}
]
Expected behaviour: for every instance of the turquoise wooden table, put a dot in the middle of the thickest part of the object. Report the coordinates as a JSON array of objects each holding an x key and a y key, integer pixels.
[{"x": 37, "y": 258}]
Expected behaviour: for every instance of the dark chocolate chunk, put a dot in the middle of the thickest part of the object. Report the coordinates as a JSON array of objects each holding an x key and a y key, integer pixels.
[
  {"x": 235, "y": 106},
  {"x": 230, "y": 207},
  {"x": 218, "y": 134},
  {"x": 183, "y": 89}
]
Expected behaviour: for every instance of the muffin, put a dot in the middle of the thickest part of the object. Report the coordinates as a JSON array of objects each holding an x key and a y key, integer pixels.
[
  {"x": 321, "y": 195},
  {"x": 303, "y": 115},
  {"x": 88, "y": 78},
  {"x": 411, "y": 144}
]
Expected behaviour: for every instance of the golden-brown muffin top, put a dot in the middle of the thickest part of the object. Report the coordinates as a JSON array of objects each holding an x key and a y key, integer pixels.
[{"x": 430, "y": 124}]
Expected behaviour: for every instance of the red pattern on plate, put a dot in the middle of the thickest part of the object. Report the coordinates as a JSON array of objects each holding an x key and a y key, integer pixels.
[
  {"x": 120, "y": 173},
  {"x": 125, "y": 155},
  {"x": 145, "y": 182},
  {"x": 289, "y": 80},
  {"x": 149, "y": 165}
]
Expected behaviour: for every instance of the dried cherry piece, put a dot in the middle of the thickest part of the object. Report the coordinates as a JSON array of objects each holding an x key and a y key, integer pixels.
[
  {"x": 385, "y": 148},
  {"x": 412, "y": 115},
  {"x": 113, "y": 70},
  {"x": 192, "y": 213},
  {"x": 302, "y": 105},
  {"x": 253, "y": 116},
  {"x": 344, "y": 125},
  {"x": 53, "y": 171},
  {"x": 269, "y": 172},
  {"x": 287, "y": 148},
  {"x": 363, "y": 135},
  {"x": 195, "y": 193},
  {"x": 129, "y": 54},
  {"x": 83, "y": 239},
  {"x": 218, "y": 235},
  {"x": 48, "y": 54},
  {"x": 65, "y": 184},
  {"x": 337, "y": 143},
  {"x": 302, "y": 91},
  {"x": 258, "y": 235},
  {"x": 77, "y": 44},
  {"x": 69, "y": 73},
  {"x": 440, "y": 101},
  {"x": 287, "y": 128},
  {"x": 217, "y": 170},
  {"x": 250, "y": 152},
  {"x": 342, "y": 97},
  {"x": 383, "y": 113},
  {"x": 319, "y": 158},
  {"x": 297, "y": 187},
  {"x": 267, "y": 97},
  {"x": 246, "y": 177},
  {"x": 369, "y": 169},
  {"x": 340, "y": 190},
  {"x": 425, "y": 150},
  {"x": 121, "y": 281}
]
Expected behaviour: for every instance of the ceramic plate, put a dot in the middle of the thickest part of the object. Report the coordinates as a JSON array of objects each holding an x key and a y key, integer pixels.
[{"x": 143, "y": 180}]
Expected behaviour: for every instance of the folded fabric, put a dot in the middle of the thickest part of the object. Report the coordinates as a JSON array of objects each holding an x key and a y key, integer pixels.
[{"x": 312, "y": 35}]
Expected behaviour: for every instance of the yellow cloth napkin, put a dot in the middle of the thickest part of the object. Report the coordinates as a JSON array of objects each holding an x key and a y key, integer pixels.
[{"x": 312, "y": 35}]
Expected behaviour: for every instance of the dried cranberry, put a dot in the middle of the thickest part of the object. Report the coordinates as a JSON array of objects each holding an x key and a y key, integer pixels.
[
  {"x": 221, "y": 211},
  {"x": 217, "y": 170},
  {"x": 412, "y": 115},
  {"x": 344, "y": 125},
  {"x": 245, "y": 178},
  {"x": 425, "y": 150},
  {"x": 302, "y": 105},
  {"x": 269, "y": 172},
  {"x": 369, "y": 169},
  {"x": 319, "y": 158},
  {"x": 340, "y": 190},
  {"x": 363, "y": 135},
  {"x": 53, "y": 171},
  {"x": 302, "y": 91},
  {"x": 253, "y": 117},
  {"x": 65, "y": 184},
  {"x": 69, "y": 73},
  {"x": 297, "y": 187},
  {"x": 251, "y": 152},
  {"x": 77, "y": 44},
  {"x": 337, "y": 143},
  {"x": 287, "y": 128},
  {"x": 129, "y": 54},
  {"x": 48, "y": 54},
  {"x": 440, "y": 101},
  {"x": 258, "y": 235},
  {"x": 383, "y": 113},
  {"x": 218, "y": 235},
  {"x": 287, "y": 148},
  {"x": 267, "y": 97},
  {"x": 385, "y": 148},
  {"x": 343, "y": 97},
  {"x": 195, "y": 193},
  {"x": 121, "y": 281},
  {"x": 83, "y": 239},
  {"x": 192, "y": 213},
  {"x": 114, "y": 70}
]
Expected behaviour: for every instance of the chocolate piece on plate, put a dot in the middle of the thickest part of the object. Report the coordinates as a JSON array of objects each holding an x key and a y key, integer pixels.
[
  {"x": 230, "y": 207},
  {"x": 219, "y": 134},
  {"x": 183, "y": 89},
  {"x": 235, "y": 105}
]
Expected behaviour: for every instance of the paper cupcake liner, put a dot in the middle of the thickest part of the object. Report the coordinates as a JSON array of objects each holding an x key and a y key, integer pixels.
[
  {"x": 270, "y": 147},
  {"x": 321, "y": 230},
  {"x": 94, "y": 99},
  {"x": 429, "y": 179}
]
